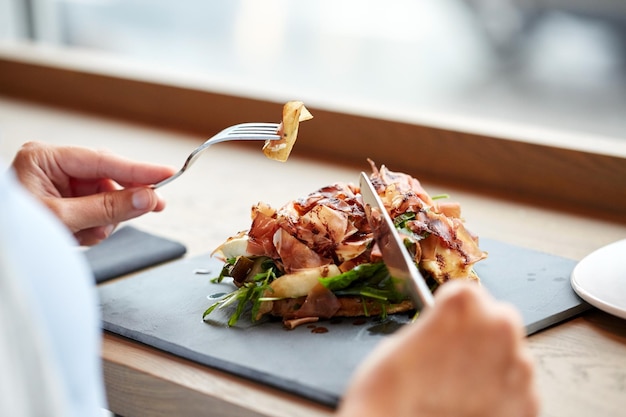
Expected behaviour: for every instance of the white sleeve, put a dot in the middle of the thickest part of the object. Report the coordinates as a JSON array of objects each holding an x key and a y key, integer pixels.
[
  {"x": 49, "y": 320},
  {"x": 25, "y": 360}
]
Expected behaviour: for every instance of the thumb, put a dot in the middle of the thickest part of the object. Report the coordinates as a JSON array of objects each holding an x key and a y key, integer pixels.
[{"x": 105, "y": 208}]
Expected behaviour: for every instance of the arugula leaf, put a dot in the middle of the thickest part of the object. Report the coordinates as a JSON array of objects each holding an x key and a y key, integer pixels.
[
  {"x": 360, "y": 272},
  {"x": 439, "y": 196},
  {"x": 369, "y": 280},
  {"x": 225, "y": 270},
  {"x": 401, "y": 219},
  {"x": 250, "y": 292}
]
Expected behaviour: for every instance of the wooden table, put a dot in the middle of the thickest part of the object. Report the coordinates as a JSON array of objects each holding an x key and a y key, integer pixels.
[{"x": 581, "y": 364}]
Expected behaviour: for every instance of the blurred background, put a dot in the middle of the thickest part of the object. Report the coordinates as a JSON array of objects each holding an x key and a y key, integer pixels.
[{"x": 552, "y": 63}]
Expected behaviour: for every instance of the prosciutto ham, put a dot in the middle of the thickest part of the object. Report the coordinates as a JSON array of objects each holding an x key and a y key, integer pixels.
[
  {"x": 326, "y": 227},
  {"x": 329, "y": 227},
  {"x": 327, "y": 233}
]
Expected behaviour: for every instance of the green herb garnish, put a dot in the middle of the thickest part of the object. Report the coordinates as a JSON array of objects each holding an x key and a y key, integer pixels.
[{"x": 250, "y": 292}]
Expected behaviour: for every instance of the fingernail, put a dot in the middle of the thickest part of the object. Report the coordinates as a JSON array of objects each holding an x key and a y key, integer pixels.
[
  {"x": 108, "y": 230},
  {"x": 141, "y": 199}
]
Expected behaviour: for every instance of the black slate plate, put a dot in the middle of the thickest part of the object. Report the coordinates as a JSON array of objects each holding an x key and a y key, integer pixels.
[{"x": 163, "y": 308}]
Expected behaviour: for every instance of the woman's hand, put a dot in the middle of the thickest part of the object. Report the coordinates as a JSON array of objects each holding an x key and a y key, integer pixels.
[
  {"x": 466, "y": 356},
  {"x": 90, "y": 191}
]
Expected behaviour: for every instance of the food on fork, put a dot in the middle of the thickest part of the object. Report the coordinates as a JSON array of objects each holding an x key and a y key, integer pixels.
[
  {"x": 294, "y": 112},
  {"x": 315, "y": 257},
  {"x": 279, "y": 137}
]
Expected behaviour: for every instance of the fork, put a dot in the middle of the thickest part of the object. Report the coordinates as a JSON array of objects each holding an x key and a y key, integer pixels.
[{"x": 242, "y": 131}]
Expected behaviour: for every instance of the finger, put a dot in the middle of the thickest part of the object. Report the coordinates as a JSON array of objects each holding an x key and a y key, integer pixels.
[
  {"x": 94, "y": 235},
  {"x": 108, "y": 208},
  {"x": 460, "y": 289},
  {"x": 91, "y": 164},
  {"x": 508, "y": 312},
  {"x": 522, "y": 389},
  {"x": 85, "y": 187},
  {"x": 456, "y": 306}
]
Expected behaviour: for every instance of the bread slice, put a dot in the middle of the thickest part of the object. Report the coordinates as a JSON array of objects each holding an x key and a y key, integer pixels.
[{"x": 349, "y": 307}]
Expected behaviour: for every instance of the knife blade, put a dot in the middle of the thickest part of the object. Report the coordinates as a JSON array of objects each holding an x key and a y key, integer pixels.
[{"x": 395, "y": 254}]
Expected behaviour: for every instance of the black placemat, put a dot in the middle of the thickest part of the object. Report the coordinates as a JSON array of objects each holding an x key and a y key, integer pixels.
[
  {"x": 128, "y": 250},
  {"x": 163, "y": 308}
]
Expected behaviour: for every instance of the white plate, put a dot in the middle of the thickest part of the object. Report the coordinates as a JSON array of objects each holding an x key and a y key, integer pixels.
[{"x": 600, "y": 278}]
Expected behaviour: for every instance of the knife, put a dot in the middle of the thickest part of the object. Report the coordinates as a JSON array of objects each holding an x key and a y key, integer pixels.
[{"x": 395, "y": 255}]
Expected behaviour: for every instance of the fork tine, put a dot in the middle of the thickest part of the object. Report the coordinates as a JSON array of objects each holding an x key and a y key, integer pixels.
[
  {"x": 254, "y": 136},
  {"x": 257, "y": 125},
  {"x": 253, "y": 130},
  {"x": 263, "y": 127}
]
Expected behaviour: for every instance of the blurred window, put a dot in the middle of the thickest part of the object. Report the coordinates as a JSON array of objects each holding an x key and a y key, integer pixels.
[{"x": 550, "y": 63}]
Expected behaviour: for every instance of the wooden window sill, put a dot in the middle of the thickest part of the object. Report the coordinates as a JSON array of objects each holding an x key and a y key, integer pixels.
[{"x": 568, "y": 170}]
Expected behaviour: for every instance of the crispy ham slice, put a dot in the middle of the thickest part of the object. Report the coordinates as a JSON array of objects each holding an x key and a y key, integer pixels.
[
  {"x": 294, "y": 112},
  {"x": 320, "y": 302},
  {"x": 262, "y": 231},
  {"x": 295, "y": 254},
  {"x": 449, "y": 251},
  {"x": 327, "y": 226}
]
